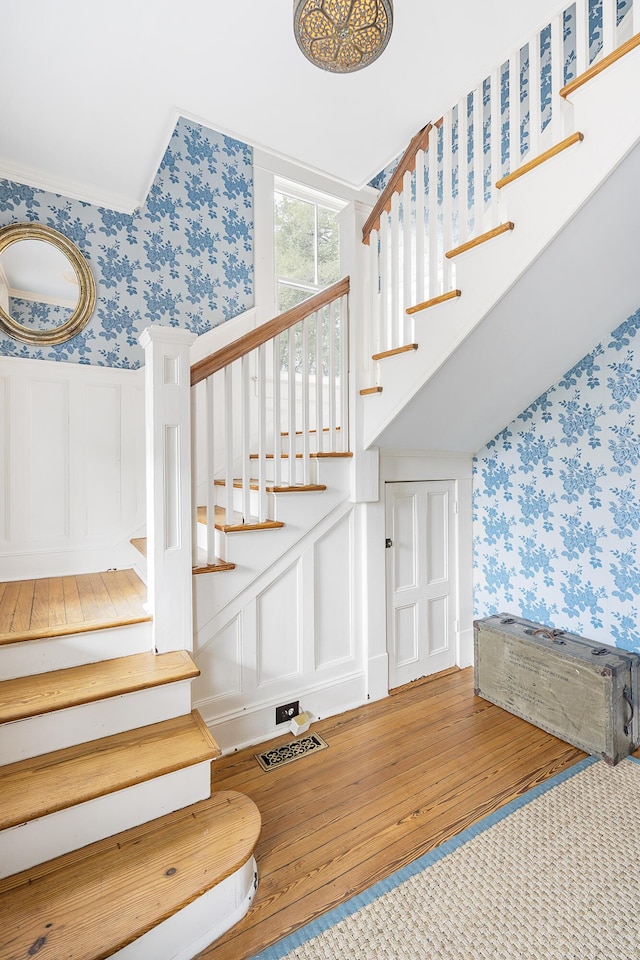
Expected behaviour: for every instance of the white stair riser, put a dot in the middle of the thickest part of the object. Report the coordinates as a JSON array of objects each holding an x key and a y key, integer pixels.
[
  {"x": 90, "y": 721},
  {"x": 73, "y": 650},
  {"x": 186, "y": 933},
  {"x": 39, "y": 840}
]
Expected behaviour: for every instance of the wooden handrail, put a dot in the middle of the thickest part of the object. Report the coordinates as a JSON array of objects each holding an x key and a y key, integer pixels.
[
  {"x": 407, "y": 165},
  {"x": 255, "y": 338}
]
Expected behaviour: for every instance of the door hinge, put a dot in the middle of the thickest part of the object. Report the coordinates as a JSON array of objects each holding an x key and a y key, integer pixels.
[
  {"x": 455, "y": 507},
  {"x": 388, "y": 542}
]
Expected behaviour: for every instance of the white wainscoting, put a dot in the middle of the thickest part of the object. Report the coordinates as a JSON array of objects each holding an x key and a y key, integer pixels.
[
  {"x": 72, "y": 476},
  {"x": 291, "y": 635}
]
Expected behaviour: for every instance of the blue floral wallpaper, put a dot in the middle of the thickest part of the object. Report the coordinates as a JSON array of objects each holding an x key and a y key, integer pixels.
[
  {"x": 557, "y": 502},
  {"x": 184, "y": 259},
  {"x": 37, "y": 315}
]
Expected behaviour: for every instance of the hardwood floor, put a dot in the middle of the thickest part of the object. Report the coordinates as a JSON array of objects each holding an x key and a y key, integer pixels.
[
  {"x": 400, "y": 776},
  {"x": 53, "y": 606}
]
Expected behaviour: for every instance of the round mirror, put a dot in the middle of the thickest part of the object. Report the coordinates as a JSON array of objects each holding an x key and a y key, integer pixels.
[{"x": 47, "y": 291}]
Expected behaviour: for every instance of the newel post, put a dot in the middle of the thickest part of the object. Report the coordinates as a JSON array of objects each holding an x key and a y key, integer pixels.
[{"x": 168, "y": 459}]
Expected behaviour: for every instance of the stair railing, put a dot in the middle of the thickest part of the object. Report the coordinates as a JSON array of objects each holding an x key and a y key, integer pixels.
[
  {"x": 445, "y": 191},
  {"x": 278, "y": 394}
]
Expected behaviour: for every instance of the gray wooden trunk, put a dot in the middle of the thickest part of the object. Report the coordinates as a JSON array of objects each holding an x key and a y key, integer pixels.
[{"x": 580, "y": 691}]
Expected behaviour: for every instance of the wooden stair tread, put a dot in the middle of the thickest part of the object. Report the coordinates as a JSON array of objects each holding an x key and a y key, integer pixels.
[
  {"x": 476, "y": 241},
  {"x": 281, "y": 488},
  {"x": 90, "y": 903},
  {"x": 319, "y": 455},
  {"x": 140, "y": 543},
  {"x": 237, "y": 525},
  {"x": 201, "y": 566},
  {"x": 600, "y": 66},
  {"x": 42, "y": 785},
  {"x": 406, "y": 348},
  {"x": 370, "y": 391},
  {"x": 218, "y": 566},
  {"x": 58, "y": 606},
  {"x": 30, "y": 696},
  {"x": 299, "y": 433},
  {"x": 540, "y": 159},
  {"x": 434, "y": 301}
]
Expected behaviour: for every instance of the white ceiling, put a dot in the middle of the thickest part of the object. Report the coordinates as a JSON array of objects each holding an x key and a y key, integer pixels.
[{"x": 91, "y": 92}]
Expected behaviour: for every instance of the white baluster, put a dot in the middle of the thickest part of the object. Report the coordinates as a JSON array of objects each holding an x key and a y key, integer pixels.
[
  {"x": 319, "y": 318},
  {"x": 514, "y": 111},
  {"x": 344, "y": 374},
  {"x": 535, "y": 119},
  {"x": 557, "y": 79},
  {"x": 633, "y": 20},
  {"x": 194, "y": 474},
  {"x": 246, "y": 438},
  {"x": 384, "y": 282},
  {"x": 291, "y": 388},
  {"x": 609, "y": 26},
  {"x": 496, "y": 146},
  {"x": 228, "y": 442},
  {"x": 420, "y": 226},
  {"x": 210, "y": 473},
  {"x": 262, "y": 432},
  {"x": 396, "y": 315},
  {"x": 375, "y": 339},
  {"x": 332, "y": 375},
  {"x": 447, "y": 196},
  {"x": 432, "y": 200},
  {"x": 277, "y": 411},
  {"x": 305, "y": 401},
  {"x": 582, "y": 36},
  {"x": 406, "y": 331},
  {"x": 478, "y": 163},
  {"x": 463, "y": 174}
]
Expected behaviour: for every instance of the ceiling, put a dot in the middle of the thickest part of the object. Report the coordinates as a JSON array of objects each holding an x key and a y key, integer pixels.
[{"x": 91, "y": 92}]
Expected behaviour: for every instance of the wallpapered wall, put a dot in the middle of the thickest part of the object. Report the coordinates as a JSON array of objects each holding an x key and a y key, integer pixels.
[
  {"x": 557, "y": 502},
  {"x": 184, "y": 259}
]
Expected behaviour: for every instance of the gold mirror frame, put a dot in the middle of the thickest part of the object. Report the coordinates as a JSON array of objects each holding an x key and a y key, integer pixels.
[{"x": 86, "y": 285}]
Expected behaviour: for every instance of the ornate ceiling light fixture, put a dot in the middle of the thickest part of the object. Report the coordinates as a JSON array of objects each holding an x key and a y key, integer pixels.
[{"x": 342, "y": 35}]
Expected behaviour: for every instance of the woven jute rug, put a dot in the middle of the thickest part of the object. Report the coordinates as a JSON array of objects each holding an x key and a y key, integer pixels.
[{"x": 554, "y": 875}]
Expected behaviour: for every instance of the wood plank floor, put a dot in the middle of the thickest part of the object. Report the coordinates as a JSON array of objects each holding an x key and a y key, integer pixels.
[
  {"x": 52, "y": 606},
  {"x": 400, "y": 776}
]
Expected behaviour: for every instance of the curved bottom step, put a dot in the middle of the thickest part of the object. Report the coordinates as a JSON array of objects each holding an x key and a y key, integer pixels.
[
  {"x": 196, "y": 926},
  {"x": 165, "y": 889}
]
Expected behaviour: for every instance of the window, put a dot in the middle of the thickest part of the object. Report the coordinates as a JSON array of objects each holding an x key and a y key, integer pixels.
[{"x": 306, "y": 241}]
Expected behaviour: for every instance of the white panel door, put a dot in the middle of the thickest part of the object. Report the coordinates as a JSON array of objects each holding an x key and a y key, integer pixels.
[{"x": 421, "y": 578}]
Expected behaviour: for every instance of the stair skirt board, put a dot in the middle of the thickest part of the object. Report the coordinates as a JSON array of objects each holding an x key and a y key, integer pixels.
[
  {"x": 61, "y": 832},
  {"x": 28, "y": 657},
  {"x": 45, "y": 732},
  {"x": 188, "y": 932}
]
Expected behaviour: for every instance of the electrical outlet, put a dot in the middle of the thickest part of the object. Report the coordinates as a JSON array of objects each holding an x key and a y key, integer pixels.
[{"x": 287, "y": 711}]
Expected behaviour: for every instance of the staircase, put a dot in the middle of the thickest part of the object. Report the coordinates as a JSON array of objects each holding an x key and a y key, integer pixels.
[
  {"x": 111, "y": 841},
  {"x": 264, "y": 572},
  {"x": 478, "y": 286}
]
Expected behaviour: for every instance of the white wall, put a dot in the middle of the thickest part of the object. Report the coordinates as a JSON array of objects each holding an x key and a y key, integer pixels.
[{"x": 72, "y": 477}]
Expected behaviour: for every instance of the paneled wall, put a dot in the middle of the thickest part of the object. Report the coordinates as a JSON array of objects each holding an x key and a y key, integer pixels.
[
  {"x": 557, "y": 501},
  {"x": 290, "y": 636},
  {"x": 72, "y": 476}
]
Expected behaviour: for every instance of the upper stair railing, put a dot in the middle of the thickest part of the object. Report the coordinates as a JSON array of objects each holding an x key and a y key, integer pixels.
[
  {"x": 444, "y": 196},
  {"x": 263, "y": 408}
]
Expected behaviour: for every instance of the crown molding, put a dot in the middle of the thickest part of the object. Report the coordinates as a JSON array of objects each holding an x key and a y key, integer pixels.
[{"x": 66, "y": 188}]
